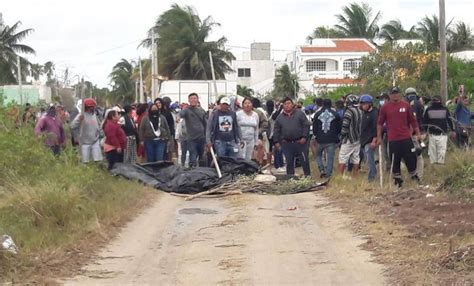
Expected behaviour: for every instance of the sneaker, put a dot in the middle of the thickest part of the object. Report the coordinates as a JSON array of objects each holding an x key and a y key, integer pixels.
[{"x": 281, "y": 169}]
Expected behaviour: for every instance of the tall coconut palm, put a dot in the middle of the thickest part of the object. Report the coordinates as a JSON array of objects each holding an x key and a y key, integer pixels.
[
  {"x": 461, "y": 37},
  {"x": 285, "y": 83},
  {"x": 356, "y": 21},
  {"x": 48, "y": 69},
  {"x": 428, "y": 29},
  {"x": 393, "y": 30},
  {"x": 324, "y": 32},
  {"x": 10, "y": 47},
  {"x": 183, "y": 52},
  {"x": 121, "y": 79}
]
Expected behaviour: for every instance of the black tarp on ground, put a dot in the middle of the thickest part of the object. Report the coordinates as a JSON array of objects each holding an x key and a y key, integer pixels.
[{"x": 171, "y": 178}]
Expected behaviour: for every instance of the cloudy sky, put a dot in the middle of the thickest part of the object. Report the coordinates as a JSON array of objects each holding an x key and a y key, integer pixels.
[{"x": 90, "y": 36}]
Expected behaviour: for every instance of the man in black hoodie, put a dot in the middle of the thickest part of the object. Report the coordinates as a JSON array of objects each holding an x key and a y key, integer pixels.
[
  {"x": 326, "y": 129},
  {"x": 436, "y": 121},
  {"x": 291, "y": 134}
]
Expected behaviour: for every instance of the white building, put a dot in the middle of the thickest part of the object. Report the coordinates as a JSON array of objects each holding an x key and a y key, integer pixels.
[
  {"x": 467, "y": 56},
  {"x": 178, "y": 90},
  {"x": 255, "y": 69},
  {"x": 328, "y": 63}
]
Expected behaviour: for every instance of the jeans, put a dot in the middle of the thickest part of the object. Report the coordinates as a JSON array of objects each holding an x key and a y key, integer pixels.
[
  {"x": 293, "y": 150},
  {"x": 196, "y": 150},
  {"x": 248, "y": 149},
  {"x": 155, "y": 150},
  {"x": 113, "y": 157},
  {"x": 226, "y": 148},
  {"x": 184, "y": 151},
  {"x": 329, "y": 148},
  {"x": 370, "y": 157}
]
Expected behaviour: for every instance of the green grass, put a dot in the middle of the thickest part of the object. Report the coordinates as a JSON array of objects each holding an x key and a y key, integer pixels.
[{"x": 49, "y": 204}]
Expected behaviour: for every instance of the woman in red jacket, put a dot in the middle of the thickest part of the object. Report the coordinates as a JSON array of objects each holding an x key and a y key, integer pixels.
[{"x": 115, "y": 139}]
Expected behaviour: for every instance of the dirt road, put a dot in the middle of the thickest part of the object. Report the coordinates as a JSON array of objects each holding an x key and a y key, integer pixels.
[{"x": 240, "y": 240}]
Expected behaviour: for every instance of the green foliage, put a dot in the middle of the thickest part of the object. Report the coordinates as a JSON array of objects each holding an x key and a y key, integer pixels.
[
  {"x": 123, "y": 87},
  {"x": 341, "y": 91},
  {"x": 356, "y": 21},
  {"x": 285, "y": 83},
  {"x": 242, "y": 90},
  {"x": 10, "y": 47},
  {"x": 50, "y": 203},
  {"x": 184, "y": 49}
]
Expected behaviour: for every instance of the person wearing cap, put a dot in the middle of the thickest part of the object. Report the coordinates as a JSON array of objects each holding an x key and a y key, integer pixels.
[
  {"x": 400, "y": 120},
  {"x": 368, "y": 133},
  {"x": 130, "y": 128},
  {"x": 436, "y": 122},
  {"x": 154, "y": 132},
  {"x": 223, "y": 131},
  {"x": 291, "y": 134},
  {"x": 195, "y": 122},
  {"x": 90, "y": 132},
  {"x": 350, "y": 136}
]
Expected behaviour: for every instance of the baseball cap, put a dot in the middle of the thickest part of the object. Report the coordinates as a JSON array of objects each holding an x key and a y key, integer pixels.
[
  {"x": 395, "y": 89},
  {"x": 225, "y": 100}
]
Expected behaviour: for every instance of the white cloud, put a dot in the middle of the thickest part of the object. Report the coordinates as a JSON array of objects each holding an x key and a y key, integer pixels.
[{"x": 73, "y": 33}]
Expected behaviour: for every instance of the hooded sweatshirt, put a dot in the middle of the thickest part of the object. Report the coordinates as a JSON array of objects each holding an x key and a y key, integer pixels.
[{"x": 90, "y": 126}]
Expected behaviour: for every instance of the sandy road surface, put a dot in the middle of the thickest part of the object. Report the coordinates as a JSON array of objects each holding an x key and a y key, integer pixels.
[{"x": 240, "y": 240}]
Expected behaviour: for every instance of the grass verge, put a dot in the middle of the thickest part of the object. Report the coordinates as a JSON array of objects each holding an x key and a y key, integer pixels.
[
  {"x": 424, "y": 234},
  {"x": 56, "y": 209}
]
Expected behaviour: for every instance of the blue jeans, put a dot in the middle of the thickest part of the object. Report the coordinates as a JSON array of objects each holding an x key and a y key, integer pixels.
[
  {"x": 155, "y": 150},
  {"x": 370, "y": 157},
  {"x": 196, "y": 150},
  {"x": 226, "y": 148},
  {"x": 278, "y": 158},
  {"x": 293, "y": 150},
  {"x": 329, "y": 149}
]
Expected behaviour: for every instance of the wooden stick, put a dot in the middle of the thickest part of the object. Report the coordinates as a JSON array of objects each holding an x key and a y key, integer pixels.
[
  {"x": 214, "y": 159},
  {"x": 381, "y": 166}
]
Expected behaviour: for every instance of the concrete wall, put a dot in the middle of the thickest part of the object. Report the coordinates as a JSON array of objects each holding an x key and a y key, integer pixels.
[
  {"x": 260, "y": 52},
  {"x": 29, "y": 94}
]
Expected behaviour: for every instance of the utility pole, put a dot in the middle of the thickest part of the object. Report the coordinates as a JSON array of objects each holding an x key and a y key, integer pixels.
[
  {"x": 19, "y": 79},
  {"x": 142, "y": 96},
  {"x": 136, "y": 92},
  {"x": 213, "y": 77},
  {"x": 443, "y": 59},
  {"x": 153, "y": 65}
]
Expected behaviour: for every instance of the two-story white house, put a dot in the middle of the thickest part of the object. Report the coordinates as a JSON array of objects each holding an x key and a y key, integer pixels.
[
  {"x": 328, "y": 63},
  {"x": 255, "y": 69}
]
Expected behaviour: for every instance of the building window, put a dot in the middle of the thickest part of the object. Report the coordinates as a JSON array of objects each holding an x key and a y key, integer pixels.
[
  {"x": 315, "y": 66},
  {"x": 243, "y": 72},
  {"x": 351, "y": 65}
]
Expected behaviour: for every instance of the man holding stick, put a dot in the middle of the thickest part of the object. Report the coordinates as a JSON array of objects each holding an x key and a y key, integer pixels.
[{"x": 400, "y": 122}]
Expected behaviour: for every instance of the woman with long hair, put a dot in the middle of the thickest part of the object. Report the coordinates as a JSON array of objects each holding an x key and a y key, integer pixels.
[
  {"x": 115, "y": 139},
  {"x": 247, "y": 120}
]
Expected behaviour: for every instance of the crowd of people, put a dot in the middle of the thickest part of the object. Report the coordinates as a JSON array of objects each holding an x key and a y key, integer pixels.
[{"x": 280, "y": 132}]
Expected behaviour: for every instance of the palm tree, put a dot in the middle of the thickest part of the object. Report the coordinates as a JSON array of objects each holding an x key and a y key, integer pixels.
[
  {"x": 324, "y": 32},
  {"x": 123, "y": 87},
  {"x": 36, "y": 70},
  {"x": 48, "y": 69},
  {"x": 428, "y": 29},
  {"x": 242, "y": 90},
  {"x": 10, "y": 46},
  {"x": 285, "y": 83},
  {"x": 183, "y": 52},
  {"x": 461, "y": 37},
  {"x": 393, "y": 30},
  {"x": 356, "y": 21}
]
